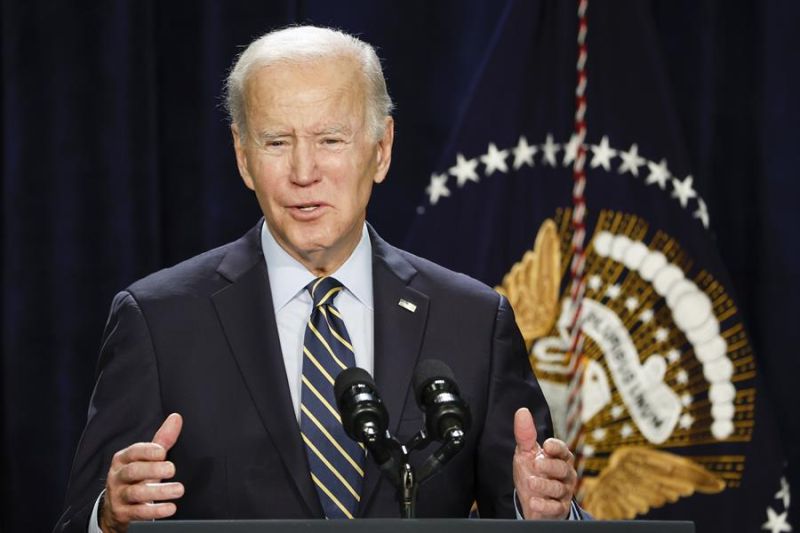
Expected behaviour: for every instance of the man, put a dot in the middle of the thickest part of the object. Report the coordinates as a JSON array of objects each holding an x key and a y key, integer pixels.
[{"x": 225, "y": 338}]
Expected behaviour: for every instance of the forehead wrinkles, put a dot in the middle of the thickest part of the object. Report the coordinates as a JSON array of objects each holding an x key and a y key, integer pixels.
[{"x": 333, "y": 91}]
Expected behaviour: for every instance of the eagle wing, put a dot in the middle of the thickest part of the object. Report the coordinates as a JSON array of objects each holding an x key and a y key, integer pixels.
[
  {"x": 532, "y": 284},
  {"x": 638, "y": 479}
]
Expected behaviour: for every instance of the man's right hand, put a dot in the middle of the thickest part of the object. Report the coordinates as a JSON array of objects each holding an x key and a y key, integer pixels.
[{"x": 134, "y": 490}]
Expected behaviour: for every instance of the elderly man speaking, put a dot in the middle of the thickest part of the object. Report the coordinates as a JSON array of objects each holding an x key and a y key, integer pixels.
[{"x": 214, "y": 393}]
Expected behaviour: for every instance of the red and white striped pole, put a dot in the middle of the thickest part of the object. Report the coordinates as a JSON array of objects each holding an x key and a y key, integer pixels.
[{"x": 578, "y": 283}]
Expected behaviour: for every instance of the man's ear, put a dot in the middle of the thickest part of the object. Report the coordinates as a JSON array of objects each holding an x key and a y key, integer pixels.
[
  {"x": 384, "y": 151},
  {"x": 241, "y": 156}
]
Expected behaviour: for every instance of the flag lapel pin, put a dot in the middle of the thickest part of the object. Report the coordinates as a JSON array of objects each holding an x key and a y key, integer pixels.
[{"x": 408, "y": 306}]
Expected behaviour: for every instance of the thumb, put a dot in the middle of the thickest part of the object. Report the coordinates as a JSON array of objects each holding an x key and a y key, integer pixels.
[
  {"x": 525, "y": 431},
  {"x": 169, "y": 431}
]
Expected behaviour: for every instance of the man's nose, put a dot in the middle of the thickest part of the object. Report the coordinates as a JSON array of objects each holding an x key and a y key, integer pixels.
[{"x": 304, "y": 163}]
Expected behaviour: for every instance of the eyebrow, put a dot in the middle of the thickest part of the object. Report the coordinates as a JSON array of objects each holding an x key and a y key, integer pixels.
[
  {"x": 340, "y": 129},
  {"x": 269, "y": 135},
  {"x": 335, "y": 129}
]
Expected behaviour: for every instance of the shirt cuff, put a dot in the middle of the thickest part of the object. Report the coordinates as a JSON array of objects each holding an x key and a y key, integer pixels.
[
  {"x": 93, "y": 524},
  {"x": 573, "y": 511}
]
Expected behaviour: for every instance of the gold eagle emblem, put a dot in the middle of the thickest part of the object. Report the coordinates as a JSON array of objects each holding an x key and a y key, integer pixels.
[
  {"x": 632, "y": 479},
  {"x": 533, "y": 283},
  {"x": 638, "y": 479}
]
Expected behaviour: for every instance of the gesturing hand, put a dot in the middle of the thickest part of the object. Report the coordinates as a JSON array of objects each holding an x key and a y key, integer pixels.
[
  {"x": 544, "y": 476},
  {"x": 134, "y": 490}
]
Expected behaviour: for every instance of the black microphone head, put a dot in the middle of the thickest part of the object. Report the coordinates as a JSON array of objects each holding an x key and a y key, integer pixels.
[
  {"x": 349, "y": 377},
  {"x": 429, "y": 370},
  {"x": 439, "y": 398},
  {"x": 364, "y": 417}
]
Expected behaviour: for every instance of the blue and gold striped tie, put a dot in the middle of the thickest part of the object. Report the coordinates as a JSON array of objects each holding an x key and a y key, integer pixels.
[{"x": 335, "y": 459}]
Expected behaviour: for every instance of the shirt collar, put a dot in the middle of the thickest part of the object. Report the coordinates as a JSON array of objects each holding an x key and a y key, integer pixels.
[{"x": 288, "y": 277}]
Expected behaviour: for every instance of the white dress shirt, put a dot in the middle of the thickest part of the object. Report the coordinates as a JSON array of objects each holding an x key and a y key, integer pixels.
[{"x": 292, "y": 305}]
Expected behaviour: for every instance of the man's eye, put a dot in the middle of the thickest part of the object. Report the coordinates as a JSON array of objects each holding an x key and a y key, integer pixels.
[
  {"x": 276, "y": 143},
  {"x": 331, "y": 140}
]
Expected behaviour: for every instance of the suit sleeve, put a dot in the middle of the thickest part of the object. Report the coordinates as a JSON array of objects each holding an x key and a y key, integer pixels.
[
  {"x": 511, "y": 385},
  {"x": 125, "y": 408}
]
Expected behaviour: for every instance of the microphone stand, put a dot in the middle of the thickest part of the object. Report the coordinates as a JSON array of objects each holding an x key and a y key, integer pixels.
[
  {"x": 408, "y": 491},
  {"x": 368, "y": 421},
  {"x": 393, "y": 461}
]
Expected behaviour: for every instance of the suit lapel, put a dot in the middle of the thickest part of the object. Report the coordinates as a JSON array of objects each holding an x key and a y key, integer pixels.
[
  {"x": 248, "y": 319},
  {"x": 400, "y": 315}
]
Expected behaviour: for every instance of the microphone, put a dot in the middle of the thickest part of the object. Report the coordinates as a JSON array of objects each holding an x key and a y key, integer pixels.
[
  {"x": 447, "y": 415},
  {"x": 364, "y": 416}
]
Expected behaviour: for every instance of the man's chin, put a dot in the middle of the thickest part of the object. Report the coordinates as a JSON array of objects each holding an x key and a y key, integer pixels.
[{"x": 314, "y": 254}]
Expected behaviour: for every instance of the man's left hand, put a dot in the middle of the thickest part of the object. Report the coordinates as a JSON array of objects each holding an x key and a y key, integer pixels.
[{"x": 544, "y": 476}]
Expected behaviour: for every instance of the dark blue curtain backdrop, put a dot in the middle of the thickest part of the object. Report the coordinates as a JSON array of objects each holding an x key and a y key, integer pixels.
[{"x": 117, "y": 160}]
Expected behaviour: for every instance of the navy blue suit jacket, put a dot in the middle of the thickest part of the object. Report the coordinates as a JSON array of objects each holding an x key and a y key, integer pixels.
[{"x": 200, "y": 339}]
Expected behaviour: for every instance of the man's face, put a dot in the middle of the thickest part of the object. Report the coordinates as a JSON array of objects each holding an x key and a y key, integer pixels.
[{"x": 310, "y": 157}]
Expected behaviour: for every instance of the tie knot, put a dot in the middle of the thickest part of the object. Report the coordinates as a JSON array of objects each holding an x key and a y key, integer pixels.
[{"x": 324, "y": 290}]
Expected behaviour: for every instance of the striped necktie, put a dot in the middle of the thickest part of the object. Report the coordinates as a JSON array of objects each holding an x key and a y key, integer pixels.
[{"x": 335, "y": 460}]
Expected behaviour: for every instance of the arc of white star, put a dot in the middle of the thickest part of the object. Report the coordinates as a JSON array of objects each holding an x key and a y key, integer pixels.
[
  {"x": 571, "y": 150},
  {"x": 646, "y": 316},
  {"x": 595, "y": 282},
  {"x": 682, "y": 190},
  {"x": 437, "y": 188},
  {"x": 599, "y": 434},
  {"x": 464, "y": 170},
  {"x": 626, "y": 431},
  {"x": 587, "y": 450},
  {"x": 631, "y": 161},
  {"x": 550, "y": 149},
  {"x": 784, "y": 494},
  {"x": 631, "y": 304},
  {"x": 776, "y": 523},
  {"x": 702, "y": 212},
  {"x": 661, "y": 334},
  {"x": 617, "y": 411},
  {"x": 523, "y": 153},
  {"x": 495, "y": 159},
  {"x": 682, "y": 377},
  {"x": 602, "y": 154},
  {"x": 658, "y": 174}
]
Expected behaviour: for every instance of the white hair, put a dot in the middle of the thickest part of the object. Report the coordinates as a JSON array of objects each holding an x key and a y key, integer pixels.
[{"x": 298, "y": 44}]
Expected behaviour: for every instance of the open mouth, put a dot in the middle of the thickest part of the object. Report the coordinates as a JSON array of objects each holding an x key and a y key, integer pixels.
[{"x": 307, "y": 211}]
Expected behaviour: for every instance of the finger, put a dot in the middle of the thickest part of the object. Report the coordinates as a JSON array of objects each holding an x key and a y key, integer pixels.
[
  {"x": 150, "y": 511},
  {"x": 547, "y": 508},
  {"x": 544, "y": 466},
  {"x": 169, "y": 431},
  {"x": 142, "y": 471},
  {"x": 152, "y": 492},
  {"x": 141, "y": 451},
  {"x": 557, "y": 449},
  {"x": 525, "y": 431},
  {"x": 547, "y": 488}
]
